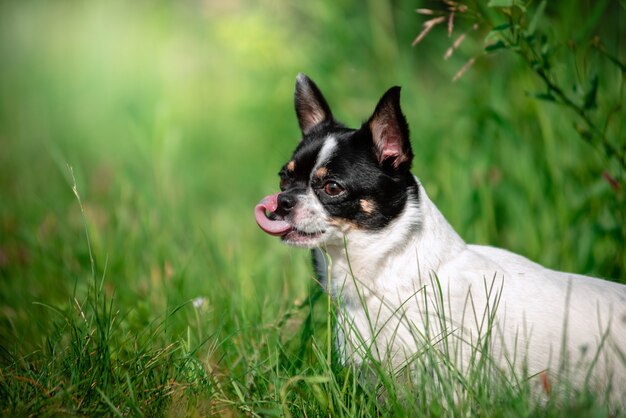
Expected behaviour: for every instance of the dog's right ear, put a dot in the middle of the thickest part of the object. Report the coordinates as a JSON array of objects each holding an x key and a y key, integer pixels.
[{"x": 311, "y": 107}]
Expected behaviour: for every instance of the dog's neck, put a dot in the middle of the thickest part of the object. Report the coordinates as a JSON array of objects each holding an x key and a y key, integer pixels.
[{"x": 412, "y": 246}]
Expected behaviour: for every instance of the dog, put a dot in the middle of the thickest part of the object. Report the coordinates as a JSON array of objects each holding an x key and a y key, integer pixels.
[{"x": 402, "y": 277}]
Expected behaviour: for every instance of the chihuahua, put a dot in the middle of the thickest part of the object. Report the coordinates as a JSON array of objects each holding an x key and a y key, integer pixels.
[{"x": 404, "y": 279}]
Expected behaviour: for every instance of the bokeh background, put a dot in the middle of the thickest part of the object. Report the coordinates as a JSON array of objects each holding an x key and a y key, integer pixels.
[{"x": 174, "y": 118}]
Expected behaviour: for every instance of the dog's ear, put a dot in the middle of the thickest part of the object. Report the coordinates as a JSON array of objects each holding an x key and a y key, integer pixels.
[
  {"x": 390, "y": 132},
  {"x": 311, "y": 107}
]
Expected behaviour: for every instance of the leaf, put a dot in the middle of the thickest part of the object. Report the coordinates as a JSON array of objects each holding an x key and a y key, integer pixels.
[
  {"x": 496, "y": 46},
  {"x": 500, "y": 3},
  {"x": 496, "y": 32},
  {"x": 592, "y": 95},
  {"x": 537, "y": 17},
  {"x": 501, "y": 27},
  {"x": 507, "y": 4},
  {"x": 546, "y": 97}
]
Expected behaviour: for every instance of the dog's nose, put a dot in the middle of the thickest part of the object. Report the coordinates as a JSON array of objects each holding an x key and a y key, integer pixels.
[{"x": 286, "y": 202}]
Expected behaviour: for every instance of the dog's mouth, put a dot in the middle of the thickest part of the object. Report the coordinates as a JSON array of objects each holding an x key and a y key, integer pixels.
[
  {"x": 301, "y": 238},
  {"x": 272, "y": 223}
]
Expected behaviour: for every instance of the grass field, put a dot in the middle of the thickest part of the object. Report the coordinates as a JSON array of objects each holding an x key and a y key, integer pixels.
[{"x": 136, "y": 138}]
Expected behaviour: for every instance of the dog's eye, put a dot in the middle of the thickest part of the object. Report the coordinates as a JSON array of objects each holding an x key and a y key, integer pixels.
[{"x": 332, "y": 188}]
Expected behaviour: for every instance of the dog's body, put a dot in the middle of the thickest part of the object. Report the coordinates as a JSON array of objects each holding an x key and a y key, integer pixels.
[
  {"x": 543, "y": 320},
  {"x": 403, "y": 277}
]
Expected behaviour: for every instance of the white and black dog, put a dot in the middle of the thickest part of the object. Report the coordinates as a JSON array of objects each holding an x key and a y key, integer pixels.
[{"x": 385, "y": 253}]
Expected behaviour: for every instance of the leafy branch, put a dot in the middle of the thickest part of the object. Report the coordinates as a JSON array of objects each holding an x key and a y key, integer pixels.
[{"x": 517, "y": 29}]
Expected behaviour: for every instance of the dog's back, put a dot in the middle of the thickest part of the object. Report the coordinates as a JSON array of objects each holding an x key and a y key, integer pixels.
[{"x": 566, "y": 324}]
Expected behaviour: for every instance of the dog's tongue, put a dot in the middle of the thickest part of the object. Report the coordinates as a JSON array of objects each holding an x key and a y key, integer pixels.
[{"x": 272, "y": 227}]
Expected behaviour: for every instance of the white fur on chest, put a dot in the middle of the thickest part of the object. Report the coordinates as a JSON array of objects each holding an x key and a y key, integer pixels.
[{"x": 417, "y": 280}]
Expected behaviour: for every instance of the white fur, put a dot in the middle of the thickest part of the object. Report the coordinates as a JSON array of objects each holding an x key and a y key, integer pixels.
[
  {"x": 330, "y": 144},
  {"x": 388, "y": 286}
]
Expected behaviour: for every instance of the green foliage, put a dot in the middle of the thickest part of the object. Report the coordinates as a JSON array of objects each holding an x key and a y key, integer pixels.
[
  {"x": 175, "y": 118},
  {"x": 525, "y": 35}
]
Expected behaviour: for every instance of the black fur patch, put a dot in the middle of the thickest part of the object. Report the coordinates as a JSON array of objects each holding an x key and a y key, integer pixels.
[{"x": 354, "y": 166}]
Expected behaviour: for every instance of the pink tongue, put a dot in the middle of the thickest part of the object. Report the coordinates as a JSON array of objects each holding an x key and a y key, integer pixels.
[{"x": 272, "y": 227}]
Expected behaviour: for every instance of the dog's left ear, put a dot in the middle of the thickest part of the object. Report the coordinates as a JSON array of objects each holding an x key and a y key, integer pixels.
[{"x": 390, "y": 131}]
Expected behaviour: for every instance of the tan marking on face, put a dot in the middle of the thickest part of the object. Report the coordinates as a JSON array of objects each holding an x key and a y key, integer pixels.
[
  {"x": 343, "y": 225},
  {"x": 321, "y": 172},
  {"x": 291, "y": 166},
  {"x": 367, "y": 206}
]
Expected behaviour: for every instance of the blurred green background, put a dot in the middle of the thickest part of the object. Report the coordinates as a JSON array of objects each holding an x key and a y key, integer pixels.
[{"x": 176, "y": 116}]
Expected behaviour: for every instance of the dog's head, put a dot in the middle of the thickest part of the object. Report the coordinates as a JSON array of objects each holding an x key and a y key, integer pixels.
[{"x": 340, "y": 180}]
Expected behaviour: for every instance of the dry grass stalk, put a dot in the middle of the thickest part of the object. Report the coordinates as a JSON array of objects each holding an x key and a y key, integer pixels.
[
  {"x": 454, "y": 46},
  {"x": 428, "y": 25},
  {"x": 462, "y": 71}
]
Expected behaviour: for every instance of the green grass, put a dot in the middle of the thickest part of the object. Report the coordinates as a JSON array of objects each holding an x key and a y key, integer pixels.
[{"x": 174, "y": 121}]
